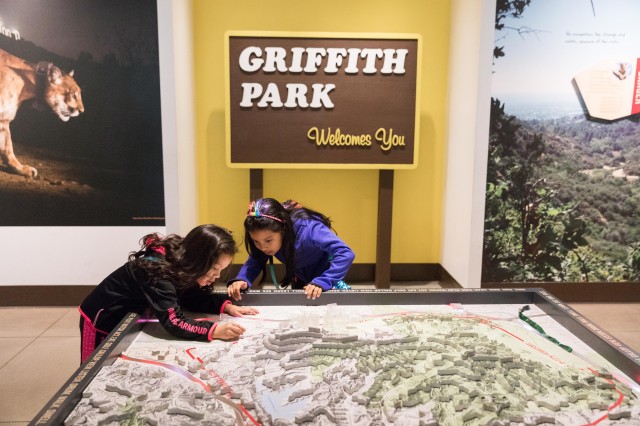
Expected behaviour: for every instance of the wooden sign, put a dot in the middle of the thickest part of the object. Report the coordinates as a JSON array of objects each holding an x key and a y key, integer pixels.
[{"x": 322, "y": 100}]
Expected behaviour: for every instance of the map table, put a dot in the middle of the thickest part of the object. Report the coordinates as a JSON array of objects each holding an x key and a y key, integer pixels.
[{"x": 362, "y": 357}]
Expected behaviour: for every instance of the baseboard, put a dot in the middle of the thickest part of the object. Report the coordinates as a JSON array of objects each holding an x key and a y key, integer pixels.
[
  {"x": 620, "y": 292},
  {"x": 605, "y": 292},
  {"x": 43, "y": 295},
  {"x": 71, "y": 295}
]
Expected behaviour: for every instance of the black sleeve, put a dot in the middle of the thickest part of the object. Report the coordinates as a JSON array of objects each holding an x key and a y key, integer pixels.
[
  {"x": 198, "y": 299},
  {"x": 163, "y": 300}
]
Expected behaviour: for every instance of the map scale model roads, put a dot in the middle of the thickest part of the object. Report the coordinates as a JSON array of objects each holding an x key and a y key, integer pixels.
[{"x": 365, "y": 365}]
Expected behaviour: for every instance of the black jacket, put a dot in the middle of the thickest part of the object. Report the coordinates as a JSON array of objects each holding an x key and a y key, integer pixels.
[{"x": 128, "y": 290}]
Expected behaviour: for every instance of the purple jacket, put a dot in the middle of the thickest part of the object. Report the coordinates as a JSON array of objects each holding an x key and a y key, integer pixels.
[{"x": 315, "y": 244}]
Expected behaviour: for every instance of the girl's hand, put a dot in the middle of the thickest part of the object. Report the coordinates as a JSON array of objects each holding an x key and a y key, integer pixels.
[
  {"x": 312, "y": 291},
  {"x": 228, "y": 331},
  {"x": 233, "y": 290},
  {"x": 238, "y": 311}
]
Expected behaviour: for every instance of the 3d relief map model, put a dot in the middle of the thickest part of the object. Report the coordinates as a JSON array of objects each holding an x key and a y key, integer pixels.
[{"x": 366, "y": 365}]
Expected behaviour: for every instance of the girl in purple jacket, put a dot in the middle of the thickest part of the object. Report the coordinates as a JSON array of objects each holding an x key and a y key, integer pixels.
[{"x": 315, "y": 259}]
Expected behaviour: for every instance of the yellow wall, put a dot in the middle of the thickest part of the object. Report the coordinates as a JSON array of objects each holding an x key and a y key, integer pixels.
[{"x": 349, "y": 197}]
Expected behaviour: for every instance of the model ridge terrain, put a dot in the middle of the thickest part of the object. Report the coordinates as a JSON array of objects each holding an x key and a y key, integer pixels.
[{"x": 347, "y": 365}]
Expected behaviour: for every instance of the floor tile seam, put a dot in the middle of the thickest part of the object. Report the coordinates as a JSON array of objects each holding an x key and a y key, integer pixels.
[
  {"x": 76, "y": 328},
  {"x": 54, "y": 320},
  {"x": 17, "y": 354},
  {"x": 15, "y": 422},
  {"x": 52, "y": 325}
]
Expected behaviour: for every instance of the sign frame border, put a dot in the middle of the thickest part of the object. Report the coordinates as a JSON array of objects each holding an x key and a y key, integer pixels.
[{"x": 336, "y": 35}]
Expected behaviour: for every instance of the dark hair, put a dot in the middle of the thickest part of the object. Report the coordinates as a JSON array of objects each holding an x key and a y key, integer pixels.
[
  {"x": 296, "y": 211},
  {"x": 269, "y": 214},
  {"x": 183, "y": 260}
]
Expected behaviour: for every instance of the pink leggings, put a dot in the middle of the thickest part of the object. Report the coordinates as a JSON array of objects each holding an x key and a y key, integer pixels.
[{"x": 90, "y": 336}]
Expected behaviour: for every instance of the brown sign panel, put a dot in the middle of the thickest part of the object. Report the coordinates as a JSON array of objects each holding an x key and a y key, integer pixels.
[{"x": 322, "y": 100}]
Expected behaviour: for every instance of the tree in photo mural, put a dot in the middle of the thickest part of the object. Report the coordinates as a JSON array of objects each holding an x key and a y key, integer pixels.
[
  {"x": 547, "y": 217},
  {"x": 528, "y": 233}
]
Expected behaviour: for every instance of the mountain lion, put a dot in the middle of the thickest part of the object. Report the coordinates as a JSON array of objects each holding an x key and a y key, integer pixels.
[{"x": 47, "y": 85}]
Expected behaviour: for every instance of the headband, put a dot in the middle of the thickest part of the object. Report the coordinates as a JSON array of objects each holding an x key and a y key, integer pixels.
[
  {"x": 254, "y": 211},
  {"x": 158, "y": 249}
]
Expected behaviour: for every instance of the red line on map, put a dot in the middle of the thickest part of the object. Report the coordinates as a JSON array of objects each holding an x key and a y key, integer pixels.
[
  {"x": 173, "y": 368},
  {"x": 479, "y": 319},
  {"x": 610, "y": 408},
  {"x": 487, "y": 322},
  {"x": 188, "y": 351},
  {"x": 191, "y": 377},
  {"x": 224, "y": 384},
  {"x": 595, "y": 422},
  {"x": 244, "y": 410},
  {"x": 490, "y": 324}
]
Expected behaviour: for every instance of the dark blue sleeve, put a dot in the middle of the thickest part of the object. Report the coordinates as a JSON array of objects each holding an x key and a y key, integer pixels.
[
  {"x": 251, "y": 268},
  {"x": 327, "y": 241}
]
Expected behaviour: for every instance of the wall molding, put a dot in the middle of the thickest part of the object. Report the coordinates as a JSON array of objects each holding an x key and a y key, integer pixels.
[
  {"x": 619, "y": 292},
  {"x": 600, "y": 292}
]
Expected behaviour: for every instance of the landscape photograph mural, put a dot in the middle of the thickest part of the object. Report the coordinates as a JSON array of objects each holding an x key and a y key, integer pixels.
[{"x": 563, "y": 191}]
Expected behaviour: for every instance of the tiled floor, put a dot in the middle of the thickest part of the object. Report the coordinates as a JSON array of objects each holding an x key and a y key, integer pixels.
[{"x": 39, "y": 350}]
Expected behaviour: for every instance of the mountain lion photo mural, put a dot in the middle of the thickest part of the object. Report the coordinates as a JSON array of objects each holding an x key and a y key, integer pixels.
[{"x": 80, "y": 114}]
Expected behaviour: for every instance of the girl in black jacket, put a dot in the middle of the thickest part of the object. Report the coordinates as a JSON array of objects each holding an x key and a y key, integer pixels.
[{"x": 165, "y": 274}]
